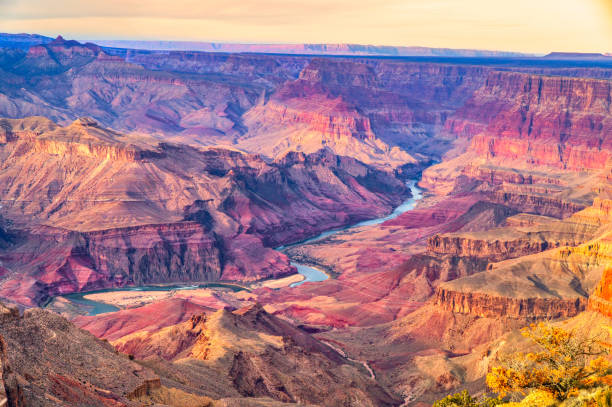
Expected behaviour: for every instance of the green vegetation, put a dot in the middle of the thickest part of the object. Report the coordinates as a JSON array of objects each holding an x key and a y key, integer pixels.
[
  {"x": 464, "y": 399},
  {"x": 565, "y": 370}
]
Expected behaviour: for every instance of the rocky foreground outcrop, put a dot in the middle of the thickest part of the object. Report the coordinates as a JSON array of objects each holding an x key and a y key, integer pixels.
[
  {"x": 48, "y": 361},
  {"x": 258, "y": 355}
]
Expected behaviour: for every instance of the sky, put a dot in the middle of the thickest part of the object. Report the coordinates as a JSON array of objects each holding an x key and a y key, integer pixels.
[{"x": 538, "y": 26}]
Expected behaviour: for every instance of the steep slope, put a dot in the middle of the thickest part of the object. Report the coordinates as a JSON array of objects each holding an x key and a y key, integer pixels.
[
  {"x": 600, "y": 299},
  {"x": 47, "y": 361},
  {"x": 104, "y": 209},
  {"x": 64, "y": 80},
  {"x": 261, "y": 355},
  {"x": 385, "y": 112},
  {"x": 540, "y": 120},
  {"x": 54, "y": 363}
]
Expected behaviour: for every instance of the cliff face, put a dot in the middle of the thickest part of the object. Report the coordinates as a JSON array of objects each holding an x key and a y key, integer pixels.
[
  {"x": 386, "y": 111},
  {"x": 601, "y": 299},
  {"x": 551, "y": 284},
  {"x": 488, "y": 306},
  {"x": 259, "y": 354},
  {"x": 120, "y": 209},
  {"x": 493, "y": 250},
  {"x": 552, "y": 121},
  {"x": 52, "y": 262}
]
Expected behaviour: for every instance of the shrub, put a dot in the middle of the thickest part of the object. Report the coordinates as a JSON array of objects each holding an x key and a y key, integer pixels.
[
  {"x": 564, "y": 363},
  {"x": 464, "y": 399}
]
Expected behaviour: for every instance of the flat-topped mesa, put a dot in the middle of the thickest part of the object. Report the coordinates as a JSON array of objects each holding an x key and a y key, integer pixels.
[
  {"x": 552, "y": 284},
  {"x": 493, "y": 250},
  {"x": 520, "y": 235},
  {"x": 553, "y": 121},
  {"x": 491, "y": 306}
]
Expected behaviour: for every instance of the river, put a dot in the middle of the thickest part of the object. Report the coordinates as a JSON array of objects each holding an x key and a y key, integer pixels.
[
  {"x": 311, "y": 274},
  {"x": 91, "y": 307}
]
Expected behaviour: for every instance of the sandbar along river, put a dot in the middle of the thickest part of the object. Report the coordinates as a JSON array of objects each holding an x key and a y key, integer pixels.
[{"x": 310, "y": 274}]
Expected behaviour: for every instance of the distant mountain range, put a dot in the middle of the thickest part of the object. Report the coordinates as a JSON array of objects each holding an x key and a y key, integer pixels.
[
  {"x": 304, "y": 49},
  {"x": 25, "y": 41}
]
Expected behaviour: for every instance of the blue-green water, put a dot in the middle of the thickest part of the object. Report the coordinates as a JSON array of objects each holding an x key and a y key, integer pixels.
[
  {"x": 312, "y": 274},
  {"x": 96, "y": 308}
]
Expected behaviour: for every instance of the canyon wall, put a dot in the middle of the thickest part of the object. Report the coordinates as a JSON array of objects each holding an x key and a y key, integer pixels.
[
  {"x": 541, "y": 120},
  {"x": 488, "y": 306},
  {"x": 116, "y": 209},
  {"x": 601, "y": 299}
]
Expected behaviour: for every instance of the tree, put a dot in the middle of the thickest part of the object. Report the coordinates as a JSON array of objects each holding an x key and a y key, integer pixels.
[
  {"x": 564, "y": 363},
  {"x": 464, "y": 399}
]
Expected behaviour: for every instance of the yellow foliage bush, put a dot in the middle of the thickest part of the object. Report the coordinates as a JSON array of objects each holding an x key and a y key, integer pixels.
[{"x": 564, "y": 364}]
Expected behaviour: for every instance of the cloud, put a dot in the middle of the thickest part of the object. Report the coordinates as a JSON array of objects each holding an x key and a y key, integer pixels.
[
  {"x": 522, "y": 25},
  {"x": 226, "y": 10}
]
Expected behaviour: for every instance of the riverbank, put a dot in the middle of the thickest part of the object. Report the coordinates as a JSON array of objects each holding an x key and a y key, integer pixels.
[
  {"x": 315, "y": 271},
  {"x": 309, "y": 270}
]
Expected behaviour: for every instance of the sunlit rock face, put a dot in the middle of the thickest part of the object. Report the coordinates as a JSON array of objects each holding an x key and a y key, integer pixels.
[
  {"x": 552, "y": 121},
  {"x": 601, "y": 299},
  {"x": 255, "y": 351},
  {"x": 104, "y": 209}
]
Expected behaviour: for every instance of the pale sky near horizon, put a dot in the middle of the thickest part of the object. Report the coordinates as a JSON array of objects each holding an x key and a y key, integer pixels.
[{"x": 517, "y": 25}]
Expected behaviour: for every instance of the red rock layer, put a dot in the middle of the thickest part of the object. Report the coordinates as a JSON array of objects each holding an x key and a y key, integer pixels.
[
  {"x": 553, "y": 121},
  {"x": 601, "y": 300},
  {"x": 496, "y": 250},
  {"x": 499, "y": 176},
  {"x": 387, "y": 99},
  {"x": 53, "y": 262},
  {"x": 331, "y": 118},
  {"x": 487, "y": 306},
  {"x": 120, "y": 213},
  {"x": 533, "y": 203}
]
